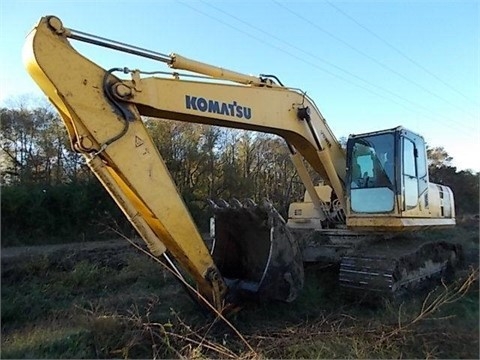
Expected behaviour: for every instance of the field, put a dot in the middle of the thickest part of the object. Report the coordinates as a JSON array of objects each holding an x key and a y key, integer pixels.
[{"x": 109, "y": 300}]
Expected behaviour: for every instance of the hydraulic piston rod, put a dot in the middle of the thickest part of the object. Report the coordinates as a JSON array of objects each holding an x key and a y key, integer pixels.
[{"x": 175, "y": 61}]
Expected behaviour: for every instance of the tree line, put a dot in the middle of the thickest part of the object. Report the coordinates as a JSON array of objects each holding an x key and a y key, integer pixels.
[{"x": 49, "y": 194}]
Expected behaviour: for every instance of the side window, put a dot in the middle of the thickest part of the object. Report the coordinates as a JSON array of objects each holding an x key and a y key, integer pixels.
[
  {"x": 421, "y": 159},
  {"x": 422, "y": 169},
  {"x": 410, "y": 181},
  {"x": 409, "y": 158}
]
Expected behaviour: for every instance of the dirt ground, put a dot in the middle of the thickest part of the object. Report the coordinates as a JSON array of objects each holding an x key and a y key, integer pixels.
[{"x": 10, "y": 253}]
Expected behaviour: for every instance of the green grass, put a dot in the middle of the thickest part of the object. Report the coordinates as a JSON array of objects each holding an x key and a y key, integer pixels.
[
  {"x": 122, "y": 304},
  {"x": 57, "y": 307},
  {"x": 49, "y": 342}
]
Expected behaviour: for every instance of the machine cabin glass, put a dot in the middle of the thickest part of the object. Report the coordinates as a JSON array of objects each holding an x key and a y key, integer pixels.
[{"x": 372, "y": 176}]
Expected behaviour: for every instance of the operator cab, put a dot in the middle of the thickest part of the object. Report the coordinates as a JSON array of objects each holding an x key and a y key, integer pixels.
[{"x": 387, "y": 177}]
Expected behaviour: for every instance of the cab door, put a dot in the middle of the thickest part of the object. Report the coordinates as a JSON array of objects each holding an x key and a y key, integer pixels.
[{"x": 414, "y": 172}]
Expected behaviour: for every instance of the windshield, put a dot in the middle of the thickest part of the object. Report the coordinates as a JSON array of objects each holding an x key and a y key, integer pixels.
[
  {"x": 372, "y": 173},
  {"x": 372, "y": 162}
]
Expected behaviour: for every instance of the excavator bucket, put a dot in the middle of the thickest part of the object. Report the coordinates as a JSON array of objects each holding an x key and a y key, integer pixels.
[{"x": 255, "y": 252}]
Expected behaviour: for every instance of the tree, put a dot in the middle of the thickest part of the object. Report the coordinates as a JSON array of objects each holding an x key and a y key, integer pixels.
[
  {"x": 438, "y": 157},
  {"x": 464, "y": 184},
  {"x": 34, "y": 148}
]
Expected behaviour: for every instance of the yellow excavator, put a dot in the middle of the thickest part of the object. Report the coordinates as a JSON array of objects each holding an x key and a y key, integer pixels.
[{"x": 377, "y": 188}]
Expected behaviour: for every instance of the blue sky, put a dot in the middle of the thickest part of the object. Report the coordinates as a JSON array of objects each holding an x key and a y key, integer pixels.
[{"x": 368, "y": 65}]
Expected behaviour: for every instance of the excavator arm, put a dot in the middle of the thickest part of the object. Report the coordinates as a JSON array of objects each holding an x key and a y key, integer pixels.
[{"x": 121, "y": 153}]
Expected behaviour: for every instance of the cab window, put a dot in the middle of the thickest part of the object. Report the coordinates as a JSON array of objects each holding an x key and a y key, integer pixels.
[
  {"x": 372, "y": 180},
  {"x": 410, "y": 180}
]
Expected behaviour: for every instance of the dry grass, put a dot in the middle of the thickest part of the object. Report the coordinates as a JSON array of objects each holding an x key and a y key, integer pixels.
[
  {"x": 133, "y": 309},
  {"x": 341, "y": 335},
  {"x": 402, "y": 330}
]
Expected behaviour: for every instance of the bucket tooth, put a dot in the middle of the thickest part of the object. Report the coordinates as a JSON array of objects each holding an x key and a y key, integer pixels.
[
  {"x": 249, "y": 203},
  {"x": 223, "y": 204},
  {"x": 266, "y": 205},
  {"x": 235, "y": 203},
  {"x": 212, "y": 205}
]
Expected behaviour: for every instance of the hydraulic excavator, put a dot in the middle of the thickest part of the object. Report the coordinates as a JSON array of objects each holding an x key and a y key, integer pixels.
[{"x": 372, "y": 192}]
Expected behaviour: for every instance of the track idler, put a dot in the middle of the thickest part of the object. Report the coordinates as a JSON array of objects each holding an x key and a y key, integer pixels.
[{"x": 255, "y": 252}]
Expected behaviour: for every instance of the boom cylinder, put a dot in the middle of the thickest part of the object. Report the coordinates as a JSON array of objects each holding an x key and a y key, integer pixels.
[{"x": 183, "y": 63}]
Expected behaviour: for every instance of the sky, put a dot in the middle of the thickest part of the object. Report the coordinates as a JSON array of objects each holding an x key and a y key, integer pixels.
[{"x": 368, "y": 65}]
